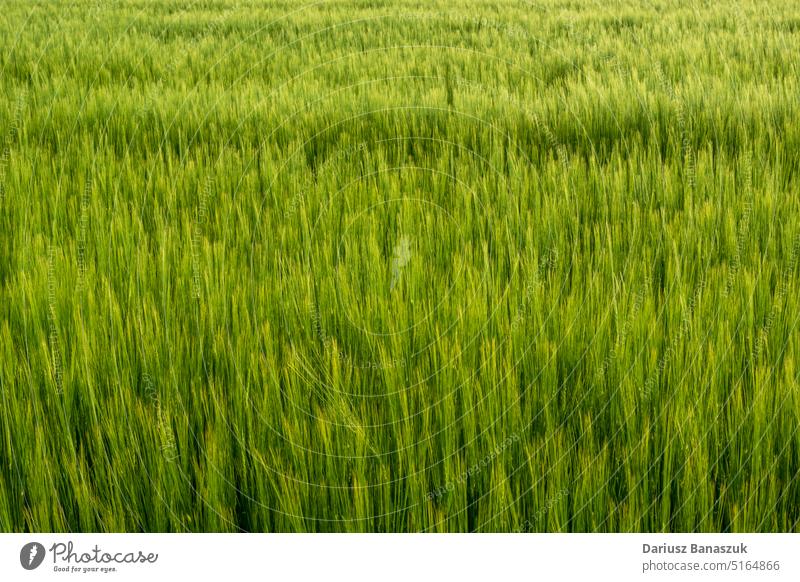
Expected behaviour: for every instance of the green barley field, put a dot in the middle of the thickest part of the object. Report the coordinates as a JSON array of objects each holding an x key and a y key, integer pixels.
[{"x": 363, "y": 265}]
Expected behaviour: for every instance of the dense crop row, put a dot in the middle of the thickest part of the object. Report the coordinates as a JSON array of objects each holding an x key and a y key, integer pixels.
[{"x": 379, "y": 266}]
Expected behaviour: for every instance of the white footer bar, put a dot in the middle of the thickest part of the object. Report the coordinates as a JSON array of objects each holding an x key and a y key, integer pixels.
[{"x": 390, "y": 557}]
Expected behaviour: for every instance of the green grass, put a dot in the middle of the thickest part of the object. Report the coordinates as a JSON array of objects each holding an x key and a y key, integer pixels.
[{"x": 369, "y": 266}]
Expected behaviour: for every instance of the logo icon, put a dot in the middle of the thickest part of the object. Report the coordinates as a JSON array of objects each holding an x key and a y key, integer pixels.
[
  {"x": 402, "y": 255},
  {"x": 32, "y": 555}
]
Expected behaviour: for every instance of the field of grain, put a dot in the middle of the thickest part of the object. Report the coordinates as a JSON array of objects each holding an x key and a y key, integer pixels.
[{"x": 362, "y": 265}]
